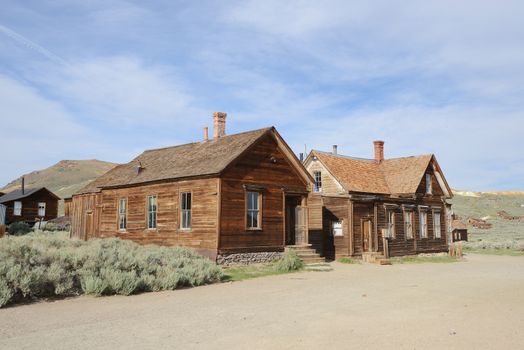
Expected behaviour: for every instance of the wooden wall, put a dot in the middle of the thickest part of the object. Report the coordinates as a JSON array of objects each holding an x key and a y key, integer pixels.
[
  {"x": 330, "y": 185},
  {"x": 336, "y": 209},
  {"x": 30, "y": 208},
  {"x": 204, "y": 222},
  {"x": 265, "y": 166},
  {"x": 85, "y": 216}
]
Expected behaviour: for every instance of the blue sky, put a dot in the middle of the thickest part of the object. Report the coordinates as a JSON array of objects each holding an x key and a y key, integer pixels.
[{"x": 108, "y": 79}]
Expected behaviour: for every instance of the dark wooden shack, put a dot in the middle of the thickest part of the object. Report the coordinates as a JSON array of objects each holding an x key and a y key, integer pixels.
[
  {"x": 459, "y": 231},
  {"x": 30, "y": 205},
  {"x": 377, "y": 207},
  {"x": 239, "y": 194}
]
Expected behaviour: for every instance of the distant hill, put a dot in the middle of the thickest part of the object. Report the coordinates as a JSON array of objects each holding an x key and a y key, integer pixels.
[
  {"x": 64, "y": 178},
  {"x": 485, "y": 205}
]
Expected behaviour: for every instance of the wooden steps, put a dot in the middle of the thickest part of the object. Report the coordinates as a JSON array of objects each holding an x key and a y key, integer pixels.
[
  {"x": 307, "y": 254},
  {"x": 375, "y": 258}
]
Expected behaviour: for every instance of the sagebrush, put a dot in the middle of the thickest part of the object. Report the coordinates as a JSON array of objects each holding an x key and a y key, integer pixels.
[{"x": 40, "y": 265}]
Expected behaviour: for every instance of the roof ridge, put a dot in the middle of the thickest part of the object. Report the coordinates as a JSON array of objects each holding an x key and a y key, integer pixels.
[
  {"x": 210, "y": 140},
  {"x": 342, "y": 155}
]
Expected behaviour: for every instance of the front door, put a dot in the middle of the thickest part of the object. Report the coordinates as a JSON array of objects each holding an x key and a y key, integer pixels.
[
  {"x": 295, "y": 221},
  {"x": 366, "y": 235},
  {"x": 300, "y": 225}
]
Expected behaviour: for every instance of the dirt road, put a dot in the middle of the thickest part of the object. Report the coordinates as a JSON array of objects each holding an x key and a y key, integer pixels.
[{"x": 478, "y": 304}]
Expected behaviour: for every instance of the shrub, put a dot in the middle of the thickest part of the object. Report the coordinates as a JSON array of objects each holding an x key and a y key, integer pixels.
[
  {"x": 42, "y": 265},
  {"x": 19, "y": 228},
  {"x": 289, "y": 262},
  {"x": 50, "y": 226}
]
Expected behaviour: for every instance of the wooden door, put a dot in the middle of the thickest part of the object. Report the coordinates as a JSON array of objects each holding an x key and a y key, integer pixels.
[
  {"x": 300, "y": 225},
  {"x": 366, "y": 235}
]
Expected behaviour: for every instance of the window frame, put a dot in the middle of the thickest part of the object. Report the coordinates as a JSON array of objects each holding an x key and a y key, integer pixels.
[
  {"x": 390, "y": 223},
  {"x": 119, "y": 214},
  {"x": 247, "y": 210},
  {"x": 182, "y": 211},
  {"x": 423, "y": 232},
  {"x": 409, "y": 214},
  {"x": 317, "y": 177},
  {"x": 341, "y": 222},
  {"x": 437, "y": 213},
  {"x": 148, "y": 223},
  {"x": 429, "y": 184},
  {"x": 17, "y": 210},
  {"x": 44, "y": 206}
]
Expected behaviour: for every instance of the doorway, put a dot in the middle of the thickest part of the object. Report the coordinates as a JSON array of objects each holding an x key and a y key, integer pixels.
[
  {"x": 295, "y": 221},
  {"x": 366, "y": 235}
]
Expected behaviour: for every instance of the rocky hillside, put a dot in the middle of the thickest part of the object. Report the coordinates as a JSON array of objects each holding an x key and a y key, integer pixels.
[{"x": 64, "y": 178}]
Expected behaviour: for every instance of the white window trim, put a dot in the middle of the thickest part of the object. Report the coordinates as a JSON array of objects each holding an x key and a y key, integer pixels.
[
  {"x": 316, "y": 188},
  {"x": 258, "y": 210},
  {"x": 122, "y": 215},
  {"x": 152, "y": 211},
  {"x": 437, "y": 229},
  {"x": 41, "y": 205},
  {"x": 408, "y": 213},
  {"x": 17, "y": 209},
  {"x": 429, "y": 184},
  {"x": 423, "y": 224},
  {"x": 186, "y": 211},
  {"x": 338, "y": 231},
  {"x": 390, "y": 224}
]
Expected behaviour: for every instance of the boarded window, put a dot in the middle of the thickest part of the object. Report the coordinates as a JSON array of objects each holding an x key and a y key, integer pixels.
[
  {"x": 429, "y": 185},
  {"x": 151, "y": 212},
  {"x": 41, "y": 209},
  {"x": 122, "y": 214},
  {"x": 390, "y": 217},
  {"x": 423, "y": 224},
  {"x": 336, "y": 228},
  {"x": 436, "y": 225},
  {"x": 253, "y": 210},
  {"x": 185, "y": 210},
  {"x": 17, "y": 211},
  {"x": 317, "y": 175},
  {"x": 408, "y": 224}
]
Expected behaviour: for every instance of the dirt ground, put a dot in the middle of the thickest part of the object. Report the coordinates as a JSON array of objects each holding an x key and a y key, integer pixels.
[{"x": 477, "y": 304}]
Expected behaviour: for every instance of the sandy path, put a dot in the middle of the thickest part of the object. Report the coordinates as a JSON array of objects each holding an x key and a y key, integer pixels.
[{"x": 478, "y": 304}]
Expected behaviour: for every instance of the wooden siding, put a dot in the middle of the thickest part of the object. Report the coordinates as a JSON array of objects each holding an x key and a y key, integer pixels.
[
  {"x": 85, "y": 216},
  {"x": 265, "y": 166},
  {"x": 315, "y": 204},
  {"x": 204, "y": 223},
  {"x": 336, "y": 209},
  {"x": 330, "y": 185},
  {"x": 30, "y": 208}
]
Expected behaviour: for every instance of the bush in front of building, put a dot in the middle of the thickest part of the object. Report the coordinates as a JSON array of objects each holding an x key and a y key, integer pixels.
[
  {"x": 19, "y": 228},
  {"x": 41, "y": 265},
  {"x": 289, "y": 262}
]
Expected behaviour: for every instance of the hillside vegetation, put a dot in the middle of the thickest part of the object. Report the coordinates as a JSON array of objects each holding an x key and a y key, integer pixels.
[
  {"x": 504, "y": 234},
  {"x": 64, "y": 178}
]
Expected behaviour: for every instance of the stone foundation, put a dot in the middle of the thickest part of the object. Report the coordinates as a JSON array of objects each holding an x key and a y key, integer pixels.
[{"x": 247, "y": 258}]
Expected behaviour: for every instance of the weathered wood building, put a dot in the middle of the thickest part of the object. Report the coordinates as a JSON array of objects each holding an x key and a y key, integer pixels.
[
  {"x": 242, "y": 193},
  {"x": 459, "y": 231},
  {"x": 30, "y": 205},
  {"x": 370, "y": 207}
]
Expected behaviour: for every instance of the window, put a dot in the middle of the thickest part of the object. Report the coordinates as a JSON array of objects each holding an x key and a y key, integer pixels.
[
  {"x": 41, "y": 209},
  {"x": 151, "y": 212},
  {"x": 253, "y": 210},
  {"x": 423, "y": 224},
  {"x": 336, "y": 228},
  {"x": 185, "y": 210},
  {"x": 122, "y": 214},
  {"x": 436, "y": 225},
  {"x": 390, "y": 217},
  {"x": 317, "y": 175},
  {"x": 429, "y": 186},
  {"x": 17, "y": 211},
  {"x": 408, "y": 224}
]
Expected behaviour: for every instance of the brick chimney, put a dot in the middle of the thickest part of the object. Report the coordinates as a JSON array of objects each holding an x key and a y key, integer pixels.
[
  {"x": 379, "y": 150},
  {"x": 219, "y": 124},
  {"x": 206, "y": 134}
]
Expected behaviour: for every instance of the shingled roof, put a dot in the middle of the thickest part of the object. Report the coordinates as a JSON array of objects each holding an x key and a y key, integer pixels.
[
  {"x": 184, "y": 161},
  {"x": 390, "y": 176},
  {"x": 17, "y": 194}
]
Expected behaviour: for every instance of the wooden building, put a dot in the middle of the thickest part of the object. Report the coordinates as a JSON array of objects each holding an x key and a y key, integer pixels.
[
  {"x": 67, "y": 206},
  {"x": 243, "y": 193},
  {"x": 30, "y": 205},
  {"x": 459, "y": 231},
  {"x": 386, "y": 207}
]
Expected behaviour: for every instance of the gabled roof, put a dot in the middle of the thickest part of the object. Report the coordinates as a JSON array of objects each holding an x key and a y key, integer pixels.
[
  {"x": 17, "y": 194},
  {"x": 195, "y": 159},
  {"x": 390, "y": 176},
  {"x": 458, "y": 225}
]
